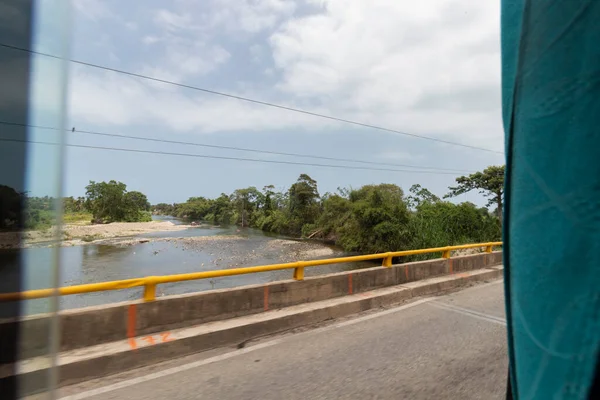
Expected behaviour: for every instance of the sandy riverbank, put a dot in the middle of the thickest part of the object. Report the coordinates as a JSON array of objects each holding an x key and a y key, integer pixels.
[
  {"x": 75, "y": 234},
  {"x": 119, "y": 229}
]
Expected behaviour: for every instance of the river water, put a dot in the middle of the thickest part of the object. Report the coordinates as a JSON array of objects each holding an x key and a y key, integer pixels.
[{"x": 174, "y": 252}]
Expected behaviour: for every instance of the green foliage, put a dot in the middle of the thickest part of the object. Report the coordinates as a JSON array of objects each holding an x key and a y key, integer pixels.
[
  {"x": 195, "y": 208},
  {"x": 378, "y": 220},
  {"x": 74, "y": 217},
  {"x": 419, "y": 195},
  {"x": 111, "y": 202},
  {"x": 72, "y": 205},
  {"x": 222, "y": 210},
  {"x": 104, "y": 202},
  {"x": 276, "y": 221},
  {"x": 303, "y": 202},
  {"x": 137, "y": 200},
  {"x": 490, "y": 183},
  {"x": 10, "y": 208},
  {"x": 164, "y": 209},
  {"x": 336, "y": 212},
  {"x": 38, "y": 219},
  {"x": 246, "y": 203},
  {"x": 373, "y": 218},
  {"x": 443, "y": 223}
]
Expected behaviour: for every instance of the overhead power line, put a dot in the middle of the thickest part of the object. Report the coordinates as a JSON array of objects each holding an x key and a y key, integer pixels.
[
  {"x": 224, "y": 157},
  {"x": 246, "y": 99},
  {"x": 143, "y": 138}
]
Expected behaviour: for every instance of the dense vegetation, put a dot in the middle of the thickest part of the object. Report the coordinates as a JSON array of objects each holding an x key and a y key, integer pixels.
[
  {"x": 104, "y": 202},
  {"x": 111, "y": 202},
  {"x": 372, "y": 218},
  {"x": 489, "y": 182},
  {"x": 38, "y": 212}
]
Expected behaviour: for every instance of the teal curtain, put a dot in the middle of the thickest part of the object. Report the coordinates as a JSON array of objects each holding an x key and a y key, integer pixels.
[{"x": 551, "y": 111}]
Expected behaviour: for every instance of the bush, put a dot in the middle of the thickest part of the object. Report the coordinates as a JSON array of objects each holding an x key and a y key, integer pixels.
[
  {"x": 71, "y": 217},
  {"x": 38, "y": 219}
]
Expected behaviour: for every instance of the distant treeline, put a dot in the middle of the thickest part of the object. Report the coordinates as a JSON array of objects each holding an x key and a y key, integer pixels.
[
  {"x": 104, "y": 202},
  {"x": 373, "y": 218}
]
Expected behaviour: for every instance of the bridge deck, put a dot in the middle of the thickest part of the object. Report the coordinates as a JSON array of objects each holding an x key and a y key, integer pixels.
[{"x": 452, "y": 346}]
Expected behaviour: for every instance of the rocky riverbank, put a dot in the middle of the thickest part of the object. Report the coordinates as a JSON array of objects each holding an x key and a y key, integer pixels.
[{"x": 123, "y": 234}]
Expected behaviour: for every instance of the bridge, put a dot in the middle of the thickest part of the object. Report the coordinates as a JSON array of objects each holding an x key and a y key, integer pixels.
[{"x": 384, "y": 332}]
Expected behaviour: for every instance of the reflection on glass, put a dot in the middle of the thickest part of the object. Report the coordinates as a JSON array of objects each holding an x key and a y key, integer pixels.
[{"x": 33, "y": 93}]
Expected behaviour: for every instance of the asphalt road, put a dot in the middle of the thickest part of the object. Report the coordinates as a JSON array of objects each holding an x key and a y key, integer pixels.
[{"x": 448, "y": 347}]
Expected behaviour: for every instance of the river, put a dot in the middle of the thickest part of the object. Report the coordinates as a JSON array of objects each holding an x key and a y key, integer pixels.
[{"x": 175, "y": 252}]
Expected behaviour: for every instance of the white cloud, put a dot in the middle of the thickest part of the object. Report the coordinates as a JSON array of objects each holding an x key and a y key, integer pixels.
[
  {"x": 121, "y": 101},
  {"x": 249, "y": 16},
  {"x": 204, "y": 59},
  {"x": 255, "y": 16},
  {"x": 257, "y": 52},
  {"x": 93, "y": 9},
  {"x": 180, "y": 62},
  {"x": 382, "y": 59},
  {"x": 180, "y": 51},
  {"x": 397, "y": 155},
  {"x": 150, "y": 39},
  {"x": 172, "y": 21},
  {"x": 431, "y": 68}
]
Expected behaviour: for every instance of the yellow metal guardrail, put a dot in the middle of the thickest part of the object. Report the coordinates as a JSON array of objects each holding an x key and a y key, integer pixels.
[{"x": 149, "y": 283}]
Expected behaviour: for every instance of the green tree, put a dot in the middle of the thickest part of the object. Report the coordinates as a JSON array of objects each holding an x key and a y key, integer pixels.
[
  {"x": 441, "y": 223},
  {"x": 138, "y": 200},
  {"x": 10, "y": 208},
  {"x": 164, "y": 209},
  {"x": 303, "y": 203},
  {"x": 110, "y": 202},
  {"x": 336, "y": 212},
  {"x": 373, "y": 218},
  {"x": 69, "y": 204},
  {"x": 195, "y": 208},
  {"x": 105, "y": 200},
  {"x": 268, "y": 203},
  {"x": 379, "y": 220},
  {"x": 489, "y": 182},
  {"x": 246, "y": 202},
  {"x": 419, "y": 195},
  {"x": 221, "y": 210}
]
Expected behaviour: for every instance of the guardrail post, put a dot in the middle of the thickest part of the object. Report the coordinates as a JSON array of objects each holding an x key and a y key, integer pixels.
[
  {"x": 387, "y": 261},
  {"x": 446, "y": 254},
  {"x": 299, "y": 272},
  {"x": 149, "y": 290},
  {"x": 488, "y": 249}
]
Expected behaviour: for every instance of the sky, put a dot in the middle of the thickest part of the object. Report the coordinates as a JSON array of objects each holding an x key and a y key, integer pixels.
[{"x": 428, "y": 68}]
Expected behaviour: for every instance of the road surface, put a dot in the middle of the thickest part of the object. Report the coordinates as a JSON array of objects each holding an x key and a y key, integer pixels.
[{"x": 448, "y": 347}]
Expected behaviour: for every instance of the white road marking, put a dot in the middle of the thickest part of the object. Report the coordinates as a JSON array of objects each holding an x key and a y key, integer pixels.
[
  {"x": 469, "y": 313},
  {"x": 196, "y": 364},
  {"x": 376, "y": 315}
]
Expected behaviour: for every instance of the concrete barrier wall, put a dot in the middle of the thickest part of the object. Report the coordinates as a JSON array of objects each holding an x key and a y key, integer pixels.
[{"x": 101, "y": 324}]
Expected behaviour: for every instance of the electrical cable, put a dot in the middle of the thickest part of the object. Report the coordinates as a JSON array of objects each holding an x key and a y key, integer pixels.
[{"x": 246, "y": 99}]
